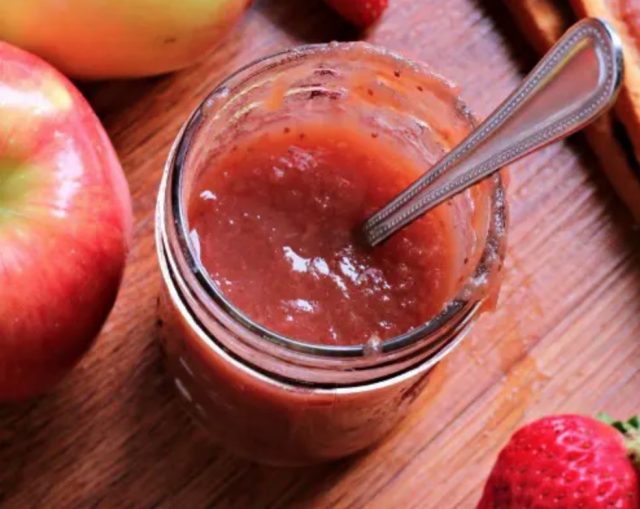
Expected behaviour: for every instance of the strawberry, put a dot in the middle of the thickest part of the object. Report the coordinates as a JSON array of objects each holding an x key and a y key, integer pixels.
[
  {"x": 568, "y": 462},
  {"x": 362, "y": 13}
]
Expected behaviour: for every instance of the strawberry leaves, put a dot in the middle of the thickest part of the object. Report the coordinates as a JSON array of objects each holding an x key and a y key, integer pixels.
[{"x": 631, "y": 431}]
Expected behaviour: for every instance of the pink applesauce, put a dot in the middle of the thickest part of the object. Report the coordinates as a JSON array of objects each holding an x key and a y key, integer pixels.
[
  {"x": 276, "y": 221},
  {"x": 261, "y": 196}
]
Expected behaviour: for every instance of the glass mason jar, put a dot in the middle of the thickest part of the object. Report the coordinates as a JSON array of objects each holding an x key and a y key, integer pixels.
[{"x": 276, "y": 399}]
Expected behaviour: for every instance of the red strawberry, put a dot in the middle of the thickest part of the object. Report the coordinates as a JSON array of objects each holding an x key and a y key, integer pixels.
[
  {"x": 567, "y": 462},
  {"x": 361, "y": 13}
]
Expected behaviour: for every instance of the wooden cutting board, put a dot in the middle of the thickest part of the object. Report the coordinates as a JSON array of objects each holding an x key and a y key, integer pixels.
[{"x": 565, "y": 336}]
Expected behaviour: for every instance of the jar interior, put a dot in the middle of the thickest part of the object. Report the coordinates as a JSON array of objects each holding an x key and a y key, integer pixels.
[{"x": 416, "y": 112}]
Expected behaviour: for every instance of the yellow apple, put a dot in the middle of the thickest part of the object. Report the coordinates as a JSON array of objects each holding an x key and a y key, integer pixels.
[{"x": 96, "y": 39}]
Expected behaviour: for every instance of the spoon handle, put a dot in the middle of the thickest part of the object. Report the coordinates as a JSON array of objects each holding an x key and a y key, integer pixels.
[{"x": 574, "y": 82}]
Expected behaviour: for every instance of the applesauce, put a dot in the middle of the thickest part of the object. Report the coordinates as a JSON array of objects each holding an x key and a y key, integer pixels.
[{"x": 287, "y": 339}]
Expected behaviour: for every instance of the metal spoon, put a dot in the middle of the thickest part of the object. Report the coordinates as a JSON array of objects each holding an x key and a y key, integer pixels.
[{"x": 575, "y": 81}]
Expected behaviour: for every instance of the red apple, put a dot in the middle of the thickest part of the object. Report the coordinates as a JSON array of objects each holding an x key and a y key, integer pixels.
[{"x": 65, "y": 225}]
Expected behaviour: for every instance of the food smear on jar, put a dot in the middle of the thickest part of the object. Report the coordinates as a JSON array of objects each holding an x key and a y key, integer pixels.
[{"x": 276, "y": 218}]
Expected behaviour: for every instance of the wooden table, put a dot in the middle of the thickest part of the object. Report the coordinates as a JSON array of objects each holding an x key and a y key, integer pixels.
[{"x": 565, "y": 337}]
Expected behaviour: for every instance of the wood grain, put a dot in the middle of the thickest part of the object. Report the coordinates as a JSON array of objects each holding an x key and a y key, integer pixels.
[{"x": 565, "y": 337}]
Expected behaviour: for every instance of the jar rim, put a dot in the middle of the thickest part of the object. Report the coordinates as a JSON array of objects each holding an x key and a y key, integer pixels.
[{"x": 175, "y": 170}]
